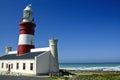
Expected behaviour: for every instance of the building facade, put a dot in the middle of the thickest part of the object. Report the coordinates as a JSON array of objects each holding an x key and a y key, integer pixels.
[{"x": 28, "y": 59}]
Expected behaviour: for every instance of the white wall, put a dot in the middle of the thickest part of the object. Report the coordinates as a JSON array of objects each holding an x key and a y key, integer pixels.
[
  {"x": 20, "y": 70},
  {"x": 12, "y": 52},
  {"x": 40, "y": 49},
  {"x": 42, "y": 63},
  {"x": 54, "y": 66}
]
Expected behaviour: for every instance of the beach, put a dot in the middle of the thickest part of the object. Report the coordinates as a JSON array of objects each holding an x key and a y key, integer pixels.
[
  {"x": 91, "y": 71},
  {"x": 90, "y": 66}
]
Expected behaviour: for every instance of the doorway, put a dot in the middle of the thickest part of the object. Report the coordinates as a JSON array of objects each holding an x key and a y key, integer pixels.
[{"x": 9, "y": 67}]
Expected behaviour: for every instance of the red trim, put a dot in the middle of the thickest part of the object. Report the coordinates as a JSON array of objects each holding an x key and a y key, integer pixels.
[
  {"x": 27, "y": 28},
  {"x": 22, "y": 49}
]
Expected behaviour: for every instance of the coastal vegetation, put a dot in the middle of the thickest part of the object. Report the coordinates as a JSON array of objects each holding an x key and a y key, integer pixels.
[
  {"x": 89, "y": 75},
  {"x": 96, "y": 77}
]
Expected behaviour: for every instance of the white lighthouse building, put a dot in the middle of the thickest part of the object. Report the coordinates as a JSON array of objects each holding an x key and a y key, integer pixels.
[{"x": 28, "y": 59}]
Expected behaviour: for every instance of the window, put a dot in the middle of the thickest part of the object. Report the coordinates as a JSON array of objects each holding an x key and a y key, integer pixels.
[
  {"x": 11, "y": 66},
  {"x": 17, "y": 67},
  {"x": 6, "y": 65},
  {"x": 31, "y": 66},
  {"x": 2, "y": 65},
  {"x": 23, "y": 66}
]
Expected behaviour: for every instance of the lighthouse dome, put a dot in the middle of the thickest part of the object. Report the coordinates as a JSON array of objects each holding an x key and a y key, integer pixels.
[{"x": 28, "y": 8}]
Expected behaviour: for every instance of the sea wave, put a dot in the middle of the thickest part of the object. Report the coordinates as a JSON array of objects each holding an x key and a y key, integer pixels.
[{"x": 116, "y": 68}]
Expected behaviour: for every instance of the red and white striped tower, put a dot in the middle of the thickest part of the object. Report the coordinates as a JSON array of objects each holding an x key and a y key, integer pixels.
[{"x": 26, "y": 37}]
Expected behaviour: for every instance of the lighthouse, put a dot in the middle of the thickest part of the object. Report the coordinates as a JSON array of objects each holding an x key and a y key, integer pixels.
[
  {"x": 28, "y": 60},
  {"x": 26, "y": 35}
]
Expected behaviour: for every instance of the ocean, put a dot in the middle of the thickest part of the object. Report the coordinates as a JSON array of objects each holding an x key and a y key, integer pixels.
[{"x": 90, "y": 66}]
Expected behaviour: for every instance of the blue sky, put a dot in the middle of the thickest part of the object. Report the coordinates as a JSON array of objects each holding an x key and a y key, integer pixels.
[{"x": 87, "y": 30}]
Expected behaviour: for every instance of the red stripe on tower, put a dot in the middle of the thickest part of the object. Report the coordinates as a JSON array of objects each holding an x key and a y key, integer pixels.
[{"x": 26, "y": 37}]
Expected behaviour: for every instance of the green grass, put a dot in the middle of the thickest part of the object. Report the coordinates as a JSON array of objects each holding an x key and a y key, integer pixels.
[
  {"x": 79, "y": 75},
  {"x": 88, "y": 75},
  {"x": 97, "y": 77}
]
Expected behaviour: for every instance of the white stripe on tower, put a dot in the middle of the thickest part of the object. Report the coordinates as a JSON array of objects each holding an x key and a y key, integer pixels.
[{"x": 27, "y": 39}]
